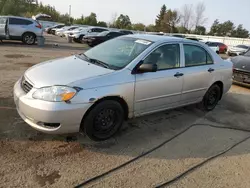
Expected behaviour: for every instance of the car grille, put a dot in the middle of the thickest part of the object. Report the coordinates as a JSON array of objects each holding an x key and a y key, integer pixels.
[
  {"x": 25, "y": 85},
  {"x": 240, "y": 72}
]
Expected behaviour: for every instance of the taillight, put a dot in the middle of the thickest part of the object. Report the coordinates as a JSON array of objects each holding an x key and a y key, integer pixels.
[{"x": 39, "y": 26}]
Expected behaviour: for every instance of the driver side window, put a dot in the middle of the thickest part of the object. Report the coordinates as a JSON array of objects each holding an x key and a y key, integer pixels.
[{"x": 165, "y": 57}]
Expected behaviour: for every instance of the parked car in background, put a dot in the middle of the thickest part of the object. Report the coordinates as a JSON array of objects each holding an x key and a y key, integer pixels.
[
  {"x": 193, "y": 38},
  {"x": 222, "y": 47},
  {"x": 101, "y": 37},
  {"x": 241, "y": 68},
  {"x": 237, "y": 50},
  {"x": 19, "y": 28},
  {"x": 214, "y": 47},
  {"x": 48, "y": 30},
  {"x": 129, "y": 76},
  {"x": 60, "y": 32},
  {"x": 126, "y": 32},
  {"x": 74, "y": 31},
  {"x": 90, "y": 31}
]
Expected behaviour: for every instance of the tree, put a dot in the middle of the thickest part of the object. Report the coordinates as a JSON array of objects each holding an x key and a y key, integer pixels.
[
  {"x": 222, "y": 29},
  {"x": 113, "y": 20},
  {"x": 138, "y": 27},
  {"x": 102, "y": 24},
  {"x": 215, "y": 27},
  {"x": 182, "y": 29},
  {"x": 187, "y": 16},
  {"x": 240, "y": 32},
  {"x": 150, "y": 28},
  {"x": 160, "y": 17},
  {"x": 91, "y": 19},
  {"x": 200, "y": 18},
  {"x": 200, "y": 30},
  {"x": 169, "y": 22},
  {"x": 123, "y": 22}
]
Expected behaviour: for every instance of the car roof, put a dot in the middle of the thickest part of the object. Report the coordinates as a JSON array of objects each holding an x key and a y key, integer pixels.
[
  {"x": 157, "y": 38},
  {"x": 19, "y": 17}
]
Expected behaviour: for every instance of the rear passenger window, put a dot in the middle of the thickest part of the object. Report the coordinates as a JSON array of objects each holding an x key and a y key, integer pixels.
[
  {"x": 18, "y": 21},
  {"x": 195, "y": 56}
]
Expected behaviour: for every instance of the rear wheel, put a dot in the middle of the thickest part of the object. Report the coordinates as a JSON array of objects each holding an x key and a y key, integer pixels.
[
  {"x": 29, "y": 38},
  {"x": 103, "y": 121},
  {"x": 211, "y": 98}
]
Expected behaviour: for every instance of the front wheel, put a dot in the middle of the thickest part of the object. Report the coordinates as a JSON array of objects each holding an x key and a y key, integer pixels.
[
  {"x": 29, "y": 38},
  {"x": 211, "y": 98},
  {"x": 103, "y": 121}
]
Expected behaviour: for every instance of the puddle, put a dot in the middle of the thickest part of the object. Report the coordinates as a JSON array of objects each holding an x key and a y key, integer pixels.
[{"x": 15, "y": 56}]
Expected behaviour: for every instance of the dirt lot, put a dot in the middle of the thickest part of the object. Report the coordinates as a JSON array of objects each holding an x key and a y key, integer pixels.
[{"x": 151, "y": 150}]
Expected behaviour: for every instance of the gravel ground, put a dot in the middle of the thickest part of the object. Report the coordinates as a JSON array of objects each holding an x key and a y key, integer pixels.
[{"x": 32, "y": 159}]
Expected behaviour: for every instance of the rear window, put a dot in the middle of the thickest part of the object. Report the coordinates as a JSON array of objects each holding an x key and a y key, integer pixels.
[{"x": 18, "y": 21}]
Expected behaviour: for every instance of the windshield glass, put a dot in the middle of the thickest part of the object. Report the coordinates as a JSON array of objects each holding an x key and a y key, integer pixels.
[
  {"x": 118, "y": 52},
  {"x": 104, "y": 33},
  {"x": 247, "y": 53},
  {"x": 212, "y": 44},
  {"x": 242, "y": 46}
]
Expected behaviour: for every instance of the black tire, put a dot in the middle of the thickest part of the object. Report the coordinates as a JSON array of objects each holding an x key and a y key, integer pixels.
[
  {"x": 29, "y": 38},
  {"x": 211, "y": 98},
  {"x": 103, "y": 121},
  {"x": 80, "y": 38}
]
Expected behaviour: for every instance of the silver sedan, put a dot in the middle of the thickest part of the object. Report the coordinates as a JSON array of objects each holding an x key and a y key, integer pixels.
[{"x": 126, "y": 77}]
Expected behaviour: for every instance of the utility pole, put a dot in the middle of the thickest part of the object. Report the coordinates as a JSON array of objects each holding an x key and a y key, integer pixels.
[{"x": 69, "y": 13}]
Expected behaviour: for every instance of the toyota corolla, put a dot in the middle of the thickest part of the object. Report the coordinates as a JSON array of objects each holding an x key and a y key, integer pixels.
[{"x": 126, "y": 77}]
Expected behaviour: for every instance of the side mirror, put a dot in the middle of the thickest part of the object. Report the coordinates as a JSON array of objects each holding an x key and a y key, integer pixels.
[
  {"x": 217, "y": 52},
  {"x": 147, "y": 68}
]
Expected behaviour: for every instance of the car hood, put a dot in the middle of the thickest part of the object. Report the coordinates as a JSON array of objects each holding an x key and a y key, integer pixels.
[
  {"x": 63, "y": 72},
  {"x": 241, "y": 63}
]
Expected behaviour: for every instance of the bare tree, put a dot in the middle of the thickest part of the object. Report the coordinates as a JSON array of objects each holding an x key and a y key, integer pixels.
[
  {"x": 187, "y": 16},
  {"x": 200, "y": 18},
  {"x": 113, "y": 19}
]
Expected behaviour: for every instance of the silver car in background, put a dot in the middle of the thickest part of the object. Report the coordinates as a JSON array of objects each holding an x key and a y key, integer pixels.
[
  {"x": 19, "y": 28},
  {"x": 122, "y": 78}
]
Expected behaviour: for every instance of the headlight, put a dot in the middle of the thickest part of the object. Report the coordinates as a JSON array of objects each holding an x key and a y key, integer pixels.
[{"x": 55, "y": 93}]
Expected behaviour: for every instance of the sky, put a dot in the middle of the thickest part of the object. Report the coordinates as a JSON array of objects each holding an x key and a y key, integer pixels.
[{"x": 145, "y": 11}]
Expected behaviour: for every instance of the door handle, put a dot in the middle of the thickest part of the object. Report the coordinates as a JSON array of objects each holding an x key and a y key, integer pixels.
[
  {"x": 177, "y": 75},
  {"x": 210, "y": 70}
]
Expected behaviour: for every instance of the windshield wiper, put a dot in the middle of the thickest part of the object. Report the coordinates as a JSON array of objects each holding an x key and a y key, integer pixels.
[{"x": 98, "y": 62}]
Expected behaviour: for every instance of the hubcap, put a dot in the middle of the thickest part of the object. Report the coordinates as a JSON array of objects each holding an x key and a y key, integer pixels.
[
  {"x": 105, "y": 120},
  {"x": 29, "y": 39},
  {"x": 212, "y": 98}
]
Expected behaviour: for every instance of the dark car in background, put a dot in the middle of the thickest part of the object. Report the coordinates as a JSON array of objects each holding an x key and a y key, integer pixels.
[
  {"x": 241, "y": 69},
  {"x": 126, "y": 32},
  {"x": 101, "y": 37},
  {"x": 222, "y": 47}
]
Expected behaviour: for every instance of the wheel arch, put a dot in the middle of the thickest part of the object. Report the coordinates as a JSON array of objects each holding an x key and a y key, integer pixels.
[
  {"x": 118, "y": 99},
  {"x": 28, "y": 32}
]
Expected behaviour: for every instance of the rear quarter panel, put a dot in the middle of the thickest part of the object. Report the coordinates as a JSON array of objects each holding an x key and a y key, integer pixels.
[{"x": 223, "y": 72}]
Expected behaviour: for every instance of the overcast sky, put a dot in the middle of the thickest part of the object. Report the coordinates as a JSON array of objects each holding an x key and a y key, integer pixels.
[{"x": 145, "y": 11}]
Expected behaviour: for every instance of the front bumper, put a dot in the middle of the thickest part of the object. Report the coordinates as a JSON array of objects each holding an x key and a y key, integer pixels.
[{"x": 37, "y": 112}]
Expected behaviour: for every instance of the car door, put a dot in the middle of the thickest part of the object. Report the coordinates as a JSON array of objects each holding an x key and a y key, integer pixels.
[
  {"x": 198, "y": 73},
  {"x": 3, "y": 27},
  {"x": 17, "y": 27},
  {"x": 156, "y": 91}
]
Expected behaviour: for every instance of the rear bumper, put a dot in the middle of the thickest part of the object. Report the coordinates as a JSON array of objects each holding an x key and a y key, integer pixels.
[{"x": 38, "y": 113}]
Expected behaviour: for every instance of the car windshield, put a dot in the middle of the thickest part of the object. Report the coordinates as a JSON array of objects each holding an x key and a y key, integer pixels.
[
  {"x": 104, "y": 33},
  {"x": 242, "y": 46},
  {"x": 247, "y": 53},
  {"x": 119, "y": 52}
]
